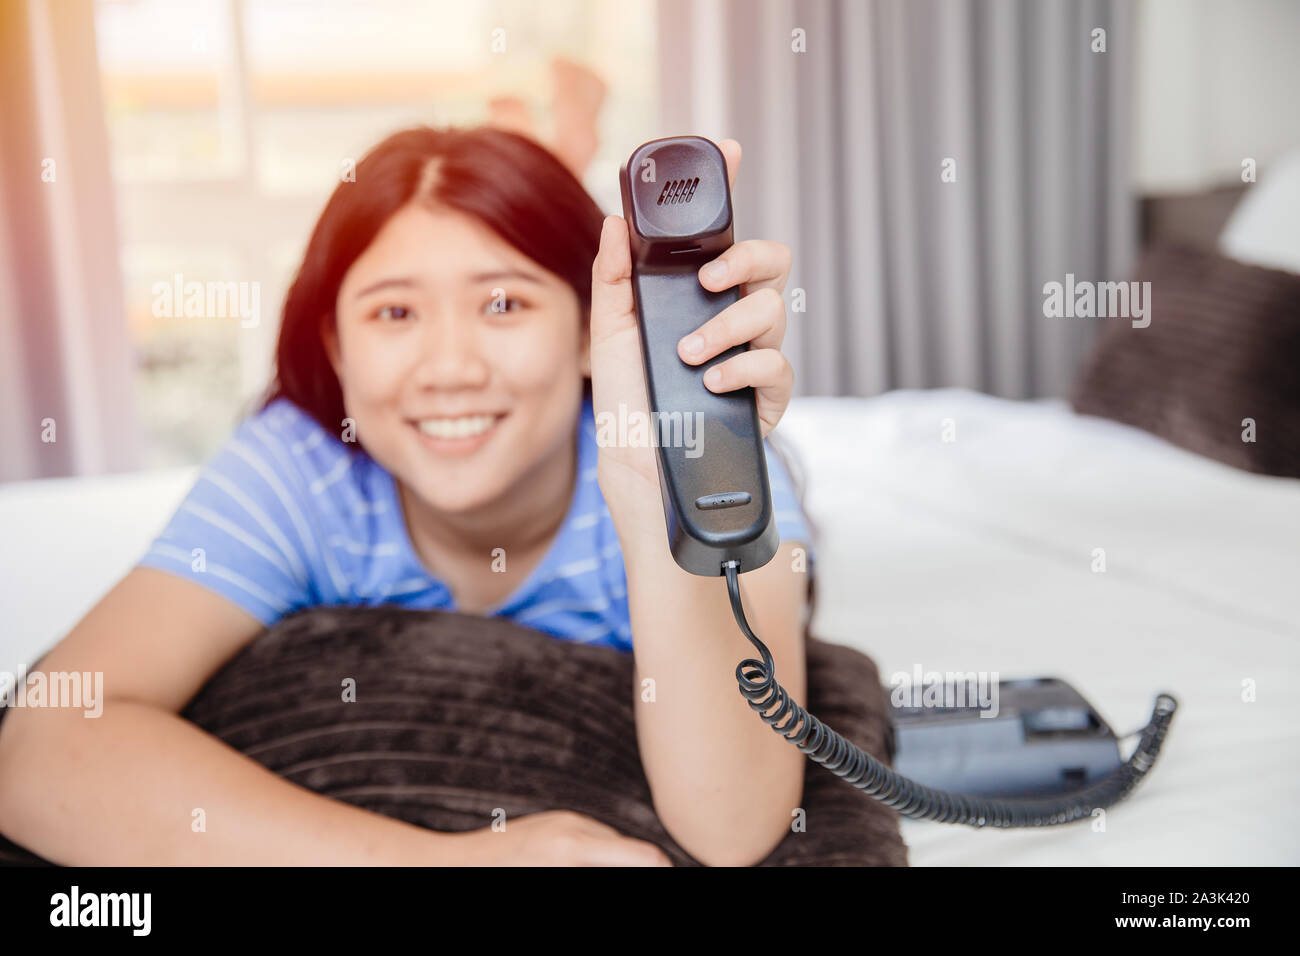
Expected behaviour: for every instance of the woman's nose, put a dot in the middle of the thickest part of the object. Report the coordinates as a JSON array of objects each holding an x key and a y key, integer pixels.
[{"x": 450, "y": 356}]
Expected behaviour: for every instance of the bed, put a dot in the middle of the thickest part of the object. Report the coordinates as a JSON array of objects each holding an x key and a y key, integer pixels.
[{"x": 955, "y": 532}]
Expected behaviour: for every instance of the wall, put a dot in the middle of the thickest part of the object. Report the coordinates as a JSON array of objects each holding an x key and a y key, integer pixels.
[{"x": 1217, "y": 81}]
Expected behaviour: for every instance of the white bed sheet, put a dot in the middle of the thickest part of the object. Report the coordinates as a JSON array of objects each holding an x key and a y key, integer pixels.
[
  {"x": 977, "y": 555},
  {"x": 974, "y": 554}
]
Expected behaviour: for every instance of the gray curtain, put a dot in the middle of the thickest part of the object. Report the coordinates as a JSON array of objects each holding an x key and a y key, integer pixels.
[
  {"x": 911, "y": 281},
  {"x": 65, "y": 355}
]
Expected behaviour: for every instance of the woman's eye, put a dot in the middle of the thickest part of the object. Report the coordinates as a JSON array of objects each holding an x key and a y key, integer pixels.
[
  {"x": 393, "y": 313},
  {"x": 503, "y": 305}
]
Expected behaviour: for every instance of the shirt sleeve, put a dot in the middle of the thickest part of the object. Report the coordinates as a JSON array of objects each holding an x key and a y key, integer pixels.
[
  {"x": 791, "y": 522},
  {"x": 240, "y": 531}
]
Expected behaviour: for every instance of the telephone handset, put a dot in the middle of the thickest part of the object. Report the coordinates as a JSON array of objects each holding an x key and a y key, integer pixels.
[{"x": 717, "y": 503}]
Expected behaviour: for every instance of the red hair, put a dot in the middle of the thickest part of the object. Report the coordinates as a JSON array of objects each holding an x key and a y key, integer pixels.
[{"x": 507, "y": 181}]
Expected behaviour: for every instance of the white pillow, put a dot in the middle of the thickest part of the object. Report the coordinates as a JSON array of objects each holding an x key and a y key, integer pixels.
[{"x": 1264, "y": 229}]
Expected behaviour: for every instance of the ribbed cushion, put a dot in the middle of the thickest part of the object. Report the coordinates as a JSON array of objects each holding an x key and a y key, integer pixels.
[
  {"x": 1223, "y": 346},
  {"x": 458, "y": 715}
]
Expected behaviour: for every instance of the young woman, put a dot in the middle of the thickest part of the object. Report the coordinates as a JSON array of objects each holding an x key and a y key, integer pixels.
[{"x": 462, "y": 314}]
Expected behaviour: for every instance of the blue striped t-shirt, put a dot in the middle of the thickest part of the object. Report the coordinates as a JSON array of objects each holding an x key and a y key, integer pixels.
[{"x": 287, "y": 516}]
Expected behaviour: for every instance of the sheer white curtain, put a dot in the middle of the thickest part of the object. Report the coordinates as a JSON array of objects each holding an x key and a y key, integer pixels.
[
  {"x": 65, "y": 356},
  {"x": 911, "y": 280}
]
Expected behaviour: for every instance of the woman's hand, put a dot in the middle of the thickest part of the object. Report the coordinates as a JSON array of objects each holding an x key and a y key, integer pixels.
[
  {"x": 559, "y": 838},
  {"x": 760, "y": 267}
]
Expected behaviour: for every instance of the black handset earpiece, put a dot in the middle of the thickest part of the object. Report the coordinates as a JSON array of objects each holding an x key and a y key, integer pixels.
[
  {"x": 712, "y": 469},
  {"x": 713, "y": 477}
]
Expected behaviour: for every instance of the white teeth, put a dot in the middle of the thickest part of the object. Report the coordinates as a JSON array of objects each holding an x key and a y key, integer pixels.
[{"x": 466, "y": 427}]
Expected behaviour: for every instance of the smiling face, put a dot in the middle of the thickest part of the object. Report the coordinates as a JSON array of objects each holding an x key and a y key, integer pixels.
[{"x": 460, "y": 359}]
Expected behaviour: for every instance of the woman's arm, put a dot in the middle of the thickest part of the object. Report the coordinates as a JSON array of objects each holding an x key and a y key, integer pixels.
[
  {"x": 724, "y": 785},
  {"x": 122, "y": 787}
]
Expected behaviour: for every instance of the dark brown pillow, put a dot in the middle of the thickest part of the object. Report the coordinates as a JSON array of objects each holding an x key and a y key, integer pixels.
[
  {"x": 1223, "y": 346},
  {"x": 457, "y": 715}
]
